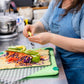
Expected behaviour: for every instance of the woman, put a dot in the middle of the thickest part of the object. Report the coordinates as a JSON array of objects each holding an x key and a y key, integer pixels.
[{"x": 65, "y": 19}]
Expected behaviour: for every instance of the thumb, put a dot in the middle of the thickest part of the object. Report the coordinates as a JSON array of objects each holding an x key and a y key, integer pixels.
[{"x": 33, "y": 31}]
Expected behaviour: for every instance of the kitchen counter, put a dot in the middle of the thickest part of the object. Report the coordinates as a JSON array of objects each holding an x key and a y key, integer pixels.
[
  {"x": 21, "y": 40},
  {"x": 34, "y": 8}
]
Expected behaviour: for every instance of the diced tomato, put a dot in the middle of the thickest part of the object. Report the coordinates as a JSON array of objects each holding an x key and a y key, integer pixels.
[
  {"x": 10, "y": 59},
  {"x": 15, "y": 59}
]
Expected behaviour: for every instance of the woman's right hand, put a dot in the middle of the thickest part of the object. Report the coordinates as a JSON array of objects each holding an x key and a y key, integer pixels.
[{"x": 27, "y": 28}]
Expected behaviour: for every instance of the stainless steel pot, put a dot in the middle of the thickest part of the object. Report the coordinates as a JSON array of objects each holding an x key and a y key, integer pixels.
[
  {"x": 4, "y": 4},
  {"x": 7, "y": 25}
]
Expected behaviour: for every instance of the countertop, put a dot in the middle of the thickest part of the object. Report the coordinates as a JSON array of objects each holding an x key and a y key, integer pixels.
[
  {"x": 34, "y": 8},
  {"x": 21, "y": 40}
]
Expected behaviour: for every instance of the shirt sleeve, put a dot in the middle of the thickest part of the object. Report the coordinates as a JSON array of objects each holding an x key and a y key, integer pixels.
[
  {"x": 82, "y": 25},
  {"x": 45, "y": 19}
]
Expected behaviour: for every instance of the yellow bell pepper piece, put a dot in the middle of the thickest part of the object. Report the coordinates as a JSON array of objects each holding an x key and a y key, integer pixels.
[
  {"x": 23, "y": 47},
  {"x": 29, "y": 33}
]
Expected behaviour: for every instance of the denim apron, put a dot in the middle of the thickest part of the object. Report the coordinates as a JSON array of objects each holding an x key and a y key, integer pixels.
[{"x": 73, "y": 63}]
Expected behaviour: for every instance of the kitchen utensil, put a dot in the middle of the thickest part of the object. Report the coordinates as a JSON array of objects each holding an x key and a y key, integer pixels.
[
  {"x": 4, "y": 4},
  {"x": 43, "y": 3},
  {"x": 36, "y": 3},
  {"x": 11, "y": 76},
  {"x": 7, "y": 25},
  {"x": 26, "y": 21}
]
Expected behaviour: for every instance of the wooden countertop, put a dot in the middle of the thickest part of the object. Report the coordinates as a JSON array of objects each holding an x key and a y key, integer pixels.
[{"x": 34, "y": 8}]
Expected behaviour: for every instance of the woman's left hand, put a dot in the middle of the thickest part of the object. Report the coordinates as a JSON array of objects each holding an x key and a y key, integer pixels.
[{"x": 42, "y": 38}]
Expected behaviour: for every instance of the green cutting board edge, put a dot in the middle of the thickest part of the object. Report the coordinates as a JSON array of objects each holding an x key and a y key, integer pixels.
[{"x": 48, "y": 70}]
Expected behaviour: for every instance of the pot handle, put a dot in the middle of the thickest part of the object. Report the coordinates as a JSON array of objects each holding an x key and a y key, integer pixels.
[{"x": 8, "y": 27}]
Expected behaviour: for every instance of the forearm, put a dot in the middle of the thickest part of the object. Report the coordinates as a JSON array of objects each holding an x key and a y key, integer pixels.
[
  {"x": 39, "y": 27},
  {"x": 70, "y": 44}
]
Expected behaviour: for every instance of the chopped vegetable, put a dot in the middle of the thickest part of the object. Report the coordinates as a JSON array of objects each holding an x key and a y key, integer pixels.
[
  {"x": 43, "y": 58},
  {"x": 29, "y": 33},
  {"x": 23, "y": 57},
  {"x": 35, "y": 59},
  {"x": 20, "y": 58},
  {"x": 31, "y": 52},
  {"x": 17, "y": 48}
]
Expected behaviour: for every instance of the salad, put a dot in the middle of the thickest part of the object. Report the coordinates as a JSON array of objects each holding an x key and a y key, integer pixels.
[{"x": 22, "y": 57}]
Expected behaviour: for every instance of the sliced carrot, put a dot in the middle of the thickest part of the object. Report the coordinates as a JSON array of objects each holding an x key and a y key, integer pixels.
[
  {"x": 43, "y": 57},
  {"x": 10, "y": 59}
]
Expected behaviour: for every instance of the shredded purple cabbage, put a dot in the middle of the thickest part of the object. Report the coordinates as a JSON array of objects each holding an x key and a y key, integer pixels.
[{"x": 27, "y": 60}]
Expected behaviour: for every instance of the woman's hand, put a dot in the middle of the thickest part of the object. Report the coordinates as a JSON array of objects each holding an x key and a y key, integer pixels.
[
  {"x": 42, "y": 38},
  {"x": 35, "y": 28},
  {"x": 27, "y": 28}
]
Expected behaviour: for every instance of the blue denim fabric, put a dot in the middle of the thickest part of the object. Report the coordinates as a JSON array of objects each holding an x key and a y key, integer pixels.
[
  {"x": 70, "y": 26},
  {"x": 77, "y": 19}
]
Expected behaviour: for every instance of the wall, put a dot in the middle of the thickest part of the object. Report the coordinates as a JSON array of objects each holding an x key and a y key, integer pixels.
[{"x": 20, "y": 3}]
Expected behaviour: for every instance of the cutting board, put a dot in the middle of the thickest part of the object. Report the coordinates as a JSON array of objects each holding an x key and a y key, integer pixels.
[{"x": 14, "y": 75}]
